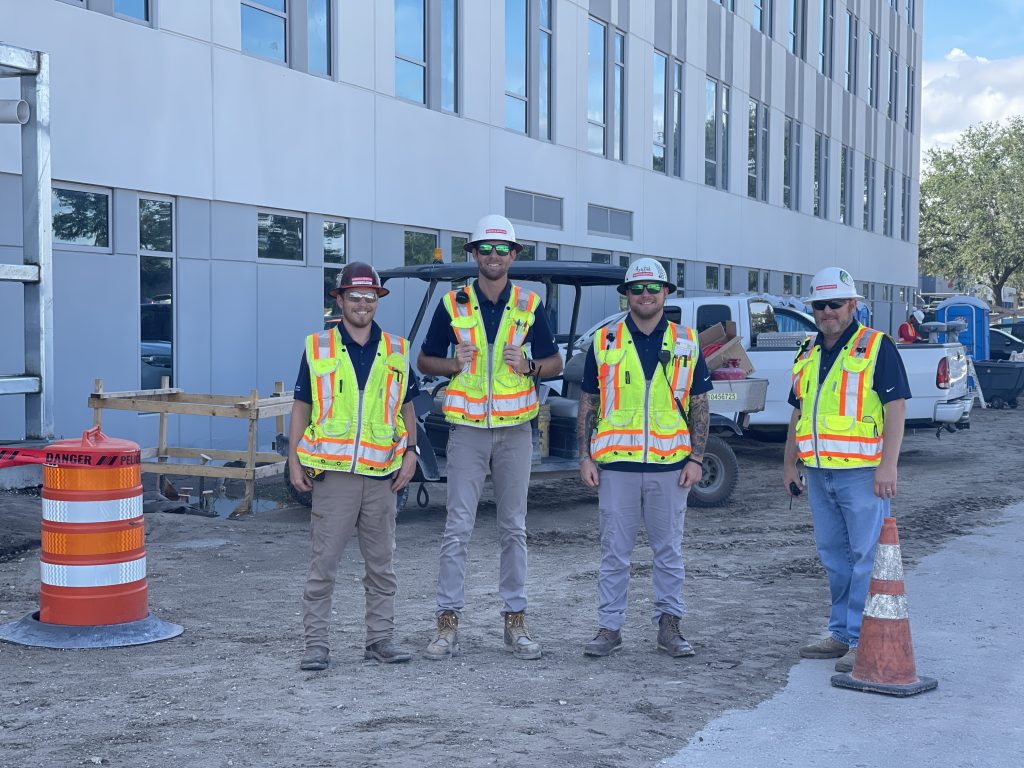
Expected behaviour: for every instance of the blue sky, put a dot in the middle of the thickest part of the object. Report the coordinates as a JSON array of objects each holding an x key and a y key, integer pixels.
[{"x": 990, "y": 28}]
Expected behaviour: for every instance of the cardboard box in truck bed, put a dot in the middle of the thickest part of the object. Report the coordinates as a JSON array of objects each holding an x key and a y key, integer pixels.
[{"x": 731, "y": 349}]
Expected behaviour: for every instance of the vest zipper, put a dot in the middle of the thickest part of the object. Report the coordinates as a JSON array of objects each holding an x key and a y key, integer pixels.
[
  {"x": 647, "y": 418},
  {"x": 359, "y": 429}
]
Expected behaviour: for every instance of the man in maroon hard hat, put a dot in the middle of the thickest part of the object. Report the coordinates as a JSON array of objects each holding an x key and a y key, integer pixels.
[{"x": 352, "y": 442}]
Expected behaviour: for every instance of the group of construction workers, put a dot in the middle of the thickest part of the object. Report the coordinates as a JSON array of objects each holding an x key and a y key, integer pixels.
[{"x": 642, "y": 428}]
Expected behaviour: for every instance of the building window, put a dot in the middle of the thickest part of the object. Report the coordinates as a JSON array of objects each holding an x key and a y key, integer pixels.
[
  {"x": 318, "y": 36},
  {"x": 908, "y": 113},
  {"x": 334, "y": 254},
  {"x": 894, "y": 84},
  {"x": 821, "y": 160},
  {"x": 133, "y": 9},
  {"x": 410, "y": 50},
  {"x": 791, "y": 136},
  {"x": 279, "y": 236},
  {"x": 545, "y": 37},
  {"x": 551, "y": 253},
  {"x": 677, "y": 119},
  {"x": 457, "y": 249},
  {"x": 528, "y": 252},
  {"x": 602, "y": 220},
  {"x": 680, "y": 278},
  {"x": 753, "y": 278},
  {"x": 798, "y": 28},
  {"x": 600, "y": 257},
  {"x": 595, "y": 86},
  {"x": 852, "y": 51},
  {"x": 516, "y": 75},
  {"x": 524, "y": 74},
  {"x": 869, "y": 194},
  {"x": 449, "y": 64},
  {"x": 764, "y": 16},
  {"x": 905, "y": 209},
  {"x": 826, "y": 58},
  {"x": 265, "y": 29},
  {"x": 81, "y": 218},
  {"x": 423, "y": 26},
  {"x": 711, "y": 277},
  {"x": 619, "y": 97},
  {"x": 887, "y": 201},
  {"x": 533, "y": 207},
  {"x": 729, "y": 5},
  {"x": 419, "y": 247},
  {"x": 156, "y": 292},
  {"x": 787, "y": 285},
  {"x": 757, "y": 151},
  {"x": 716, "y": 134},
  {"x": 727, "y": 279},
  {"x": 667, "y": 114},
  {"x": 846, "y": 185},
  {"x": 910, "y": 12},
  {"x": 658, "y": 77},
  {"x": 874, "y": 54}
]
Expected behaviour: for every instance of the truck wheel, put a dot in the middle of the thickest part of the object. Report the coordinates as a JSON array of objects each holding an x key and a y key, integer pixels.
[
  {"x": 721, "y": 471},
  {"x": 305, "y": 498}
]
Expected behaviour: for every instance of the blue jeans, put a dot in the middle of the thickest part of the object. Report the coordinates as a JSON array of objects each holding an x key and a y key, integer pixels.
[{"x": 847, "y": 520}]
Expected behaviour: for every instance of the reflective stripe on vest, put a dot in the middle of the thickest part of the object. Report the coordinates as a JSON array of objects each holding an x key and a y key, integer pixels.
[
  {"x": 640, "y": 421},
  {"x": 352, "y": 430},
  {"x": 488, "y": 393},
  {"x": 842, "y": 420}
]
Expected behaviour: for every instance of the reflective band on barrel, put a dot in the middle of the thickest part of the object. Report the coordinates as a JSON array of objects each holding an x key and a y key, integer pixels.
[
  {"x": 106, "y": 543},
  {"x": 93, "y": 575},
  {"x": 888, "y": 564},
  {"x": 886, "y": 607},
  {"x": 58, "y": 511}
]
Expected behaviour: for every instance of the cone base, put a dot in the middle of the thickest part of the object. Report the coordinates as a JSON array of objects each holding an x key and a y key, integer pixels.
[
  {"x": 30, "y": 631},
  {"x": 889, "y": 689}
]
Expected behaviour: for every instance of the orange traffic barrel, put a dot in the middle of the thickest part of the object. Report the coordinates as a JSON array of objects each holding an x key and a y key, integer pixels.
[{"x": 93, "y": 590}]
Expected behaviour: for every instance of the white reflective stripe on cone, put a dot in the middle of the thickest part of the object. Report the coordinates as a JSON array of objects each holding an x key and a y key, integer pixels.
[
  {"x": 888, "y": 564},
  {"x": 107, "y": 575},
  {"x": 109, "y": 511},
  {"x": 886, "y": 607}
]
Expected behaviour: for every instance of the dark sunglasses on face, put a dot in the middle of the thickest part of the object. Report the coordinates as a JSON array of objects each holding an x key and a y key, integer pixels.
[
  {"x": 484, "y": 249},
  {"x": 819, "y": 306},
  {"x": 637, "y": 289}
]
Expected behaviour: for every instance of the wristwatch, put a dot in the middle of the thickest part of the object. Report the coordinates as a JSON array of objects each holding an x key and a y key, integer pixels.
[
  {"x": 533, "y": 368},
  {"x": 415, "y": 448},
  {"x": 698, "y": 462}
]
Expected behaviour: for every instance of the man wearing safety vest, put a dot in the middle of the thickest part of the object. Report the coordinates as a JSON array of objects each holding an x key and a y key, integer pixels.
[
  {"x": 489, "y": 402},
  {"x": 641, "y": 429},
  {"x": 908, "y": 332},
  {"x": 849, "y": 397},
  {"x": 352, "y": 442}
]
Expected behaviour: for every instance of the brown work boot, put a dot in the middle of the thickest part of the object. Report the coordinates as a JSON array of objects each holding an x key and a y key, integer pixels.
[
  {"x": 517, "y": 637},
  {"x": 669, "y": 639},
  {"x": 386, "y": 652},
  {"x": 315, "y": 659},
  {"x": 606, "y": 641},
  {"x": 446, "y": 640},
  {"x": 829, "y": 648},
  {"x": 845, "y": 664}
]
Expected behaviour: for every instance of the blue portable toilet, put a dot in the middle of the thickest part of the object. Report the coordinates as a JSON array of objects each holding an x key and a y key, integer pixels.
[{"x": 975, "y": 313}]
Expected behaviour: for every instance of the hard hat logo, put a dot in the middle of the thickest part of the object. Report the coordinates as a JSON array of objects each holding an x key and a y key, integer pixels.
[
  {"x": 646, "y": 269},
  {"x": 358, "y": 274},
  {"x": 493, "y": 227},
  {"x": 844, "y": 277}
]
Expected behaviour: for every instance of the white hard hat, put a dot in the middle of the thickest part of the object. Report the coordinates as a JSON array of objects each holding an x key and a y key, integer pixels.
[
  {"x": 833, "y": 283},
  {"x": 493, "y": 227},
  {"x": 918, "y": 315},
  {"x": 643, "y": 270}
]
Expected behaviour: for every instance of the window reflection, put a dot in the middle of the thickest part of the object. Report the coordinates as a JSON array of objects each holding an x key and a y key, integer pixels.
[
  {"x": 419, "y": 247},
  {"x": 156, "y": 225},
  {"x": 137, "y": 9},
  {"x": 515, "y": 65},
  {"x": 449, "y": 55},
  {"x": 81, "y": 218},
  {"x": 279, "y": 237},
  {"x": 334, "y": 242},
  {"x": 318, "y": 25},
  {"x": 156, "y": 327},
  {"x": 263, "y": 33}
]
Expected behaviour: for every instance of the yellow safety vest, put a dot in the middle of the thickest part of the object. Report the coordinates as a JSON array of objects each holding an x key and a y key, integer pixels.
[
  {"x": 841, "y": 420},
  {"x": 353, "y": 430},
  {"x": 488, "y": 393},
  {"x": 638, "y": 420}
]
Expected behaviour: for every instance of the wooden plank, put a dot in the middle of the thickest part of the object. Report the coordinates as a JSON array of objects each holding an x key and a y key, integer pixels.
[
  {"x": 99, "y": 393},
  {"x": 270, "y": 470},
  {"x": 250, "y": 461},
  {"x": 281, "y": 408},
  {"x": 159, "y": 406},
  {"x": 191, "y": 397},
  {"x": 222, "y": 455},
  {"x": 196, "y": 470},
  {"x": 279, "y": 392}
]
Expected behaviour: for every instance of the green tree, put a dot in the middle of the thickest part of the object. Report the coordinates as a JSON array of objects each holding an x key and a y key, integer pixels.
[{"x": 972, "y": 207}]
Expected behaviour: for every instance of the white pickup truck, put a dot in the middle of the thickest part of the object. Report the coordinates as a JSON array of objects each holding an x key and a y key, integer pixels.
[{"x": 937, "y": 372}]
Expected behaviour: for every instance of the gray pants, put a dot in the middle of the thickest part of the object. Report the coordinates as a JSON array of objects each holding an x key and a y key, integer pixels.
[
  {"x": 508, "y": 452},
  {"x": 625, "y": 499},
  {"x": 344, "y": 503}
]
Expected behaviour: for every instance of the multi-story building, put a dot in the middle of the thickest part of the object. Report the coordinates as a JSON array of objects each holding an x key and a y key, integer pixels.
[{"x": 215, "y": 161}]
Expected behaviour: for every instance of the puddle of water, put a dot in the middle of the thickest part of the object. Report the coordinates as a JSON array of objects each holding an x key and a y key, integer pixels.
[{"x": 224, "y": 506}]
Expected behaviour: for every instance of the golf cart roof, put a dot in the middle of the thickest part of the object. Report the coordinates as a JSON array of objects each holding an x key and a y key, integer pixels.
[{"x": 557, "y": 272}]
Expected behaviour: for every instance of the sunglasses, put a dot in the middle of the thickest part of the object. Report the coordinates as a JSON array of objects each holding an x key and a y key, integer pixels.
[
  {"x": 357, "y": 296},
  {"x": 819, "y": 306},
  {"x": 484, "y": 249},
  {"x": 637, "y": 289}
]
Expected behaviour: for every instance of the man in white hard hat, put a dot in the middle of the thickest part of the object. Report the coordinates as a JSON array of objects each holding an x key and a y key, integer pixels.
[
  {"x": 489, "y": 402},
  {"x": 909, "y": 332},
  {"x": 849, "y": 398},
  {"x": 641, "y": 429},
  {"x": 352, "y": 442}
]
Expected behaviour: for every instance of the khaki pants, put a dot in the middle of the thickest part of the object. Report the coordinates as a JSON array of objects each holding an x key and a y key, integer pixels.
[{"x": 344, "y": 503}]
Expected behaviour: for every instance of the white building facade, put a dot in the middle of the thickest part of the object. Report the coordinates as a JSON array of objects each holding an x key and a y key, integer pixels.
[{"x": 216, "y": 161}]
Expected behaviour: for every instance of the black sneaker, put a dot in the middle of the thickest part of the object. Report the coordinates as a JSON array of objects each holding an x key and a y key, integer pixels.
[{"x": 605, "y": 642}]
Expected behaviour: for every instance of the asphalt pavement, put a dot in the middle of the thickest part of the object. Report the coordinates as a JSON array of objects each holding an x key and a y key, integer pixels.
[{"x": 965, "y": 603}]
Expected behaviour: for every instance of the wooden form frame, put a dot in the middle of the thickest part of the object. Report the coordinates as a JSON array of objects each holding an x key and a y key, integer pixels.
[{"x": 169, "y": 399}]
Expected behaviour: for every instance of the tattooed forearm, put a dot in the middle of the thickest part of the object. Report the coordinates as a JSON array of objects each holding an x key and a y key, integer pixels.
[
  {"x": 698, "y": 420},
  {"x": 586, "y": 422}
]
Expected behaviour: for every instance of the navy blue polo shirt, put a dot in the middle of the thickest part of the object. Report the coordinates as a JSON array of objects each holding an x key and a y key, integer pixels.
[
  {"x": 648, "y": 347},
  {"x": 361, "y": 355},
  {"x": 890, "y": 382},
  {"x": 440, "y": 335}
]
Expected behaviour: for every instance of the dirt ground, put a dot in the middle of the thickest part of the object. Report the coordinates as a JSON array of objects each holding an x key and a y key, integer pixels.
[{"x": 228, "y": 692}]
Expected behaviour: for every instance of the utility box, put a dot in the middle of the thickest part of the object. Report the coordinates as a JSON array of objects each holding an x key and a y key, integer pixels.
[{"x": 975, "y": 313}]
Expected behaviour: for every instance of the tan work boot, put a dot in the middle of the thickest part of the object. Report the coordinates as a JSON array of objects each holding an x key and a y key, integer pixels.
[
  {"x": 446, "y": 640},
  {"x": 829, "y": 648},
  {"x": 517, "y": 637}
]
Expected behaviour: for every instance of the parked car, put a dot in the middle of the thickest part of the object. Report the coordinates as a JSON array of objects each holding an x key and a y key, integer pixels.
[
  {"x": 157, "y": 362},
  {"x": 1012, "y": 326},
  {"x": 1001, "y": 343}
]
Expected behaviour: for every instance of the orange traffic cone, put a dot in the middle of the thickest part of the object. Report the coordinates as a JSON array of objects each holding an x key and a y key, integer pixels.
[{"x": 885, "y": 653}]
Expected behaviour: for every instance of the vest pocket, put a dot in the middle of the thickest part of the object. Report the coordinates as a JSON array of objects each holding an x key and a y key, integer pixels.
[
  {"x": 835, "y": 424},
  {"x": 855, "y": 364},
  {"x": 336, "y": 427}
]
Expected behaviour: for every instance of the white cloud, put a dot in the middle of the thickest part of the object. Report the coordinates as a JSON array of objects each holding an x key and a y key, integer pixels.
[{"x": 962, "y": 90}]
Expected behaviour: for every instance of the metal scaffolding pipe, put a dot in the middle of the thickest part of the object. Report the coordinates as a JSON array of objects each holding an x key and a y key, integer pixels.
[{"x": 14, "y": 111}]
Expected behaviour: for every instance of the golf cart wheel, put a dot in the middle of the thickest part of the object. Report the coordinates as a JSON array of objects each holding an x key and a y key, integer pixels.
[{"x": 721, "y": 471}]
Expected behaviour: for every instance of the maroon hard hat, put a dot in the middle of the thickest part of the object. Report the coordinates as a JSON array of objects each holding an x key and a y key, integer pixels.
[{"x": 359, "y": 274}]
